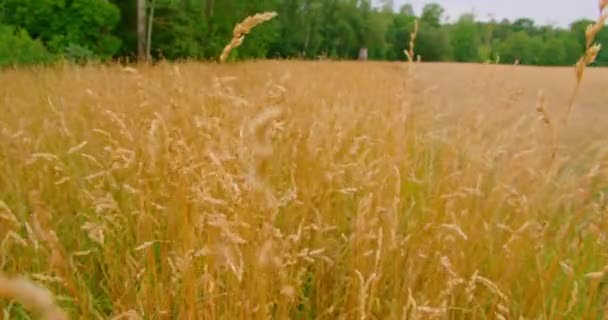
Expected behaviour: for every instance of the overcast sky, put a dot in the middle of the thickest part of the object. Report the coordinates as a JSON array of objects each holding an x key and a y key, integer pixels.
[{"x": 558, "y": 12}]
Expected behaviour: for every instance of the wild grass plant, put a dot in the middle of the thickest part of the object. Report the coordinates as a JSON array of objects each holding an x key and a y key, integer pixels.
[{"x": 294, "y": 190}]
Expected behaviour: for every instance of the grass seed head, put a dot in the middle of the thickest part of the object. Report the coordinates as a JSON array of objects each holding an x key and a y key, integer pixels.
[{"x": 242, "y": 29}]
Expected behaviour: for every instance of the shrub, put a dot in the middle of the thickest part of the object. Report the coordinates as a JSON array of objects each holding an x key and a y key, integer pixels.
[
  {"x": 18, "y": 48},
  {"x": 78, "y": 54}
]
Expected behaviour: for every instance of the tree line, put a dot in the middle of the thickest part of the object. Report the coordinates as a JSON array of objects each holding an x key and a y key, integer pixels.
[{"x": 40, "y": 31}]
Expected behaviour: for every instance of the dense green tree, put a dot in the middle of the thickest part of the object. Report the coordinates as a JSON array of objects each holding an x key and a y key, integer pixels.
[
  {"x": 521, "y": 47},
  {"x": 433, "y": 43},
  {"x": 501, "y": 30},
  {"x": 524, "y": 24},
  {"x": 553, "y": 52},
  {"x": 432, "y": 14},
  {"x": 178, "y": 29},
  {"x": 372, "y": 31},
  {"x": 62, "y": 24},
  {"x": 387, "y": 5},
  {"x": 602, "y": 38},
  {"x": 560, "y": 48},
  {"x": 578, "y": 29},
  {"x": 174, "y": 32},
  {"x": 407, "y": 10},
  {"x": 398, "y": 36},
  {"x": 465, "y": 39},
  {"x": 126, "y": 27},
  {"x": 17, "y": 47}
]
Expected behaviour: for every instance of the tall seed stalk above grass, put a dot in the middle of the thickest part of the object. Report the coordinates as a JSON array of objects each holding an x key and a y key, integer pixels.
[
  {"x": 410, "y": 52},
  {"x": 592, "y": 49},
  {"x": 242, "y": 29},
  {"x": 541, "y": 108}
]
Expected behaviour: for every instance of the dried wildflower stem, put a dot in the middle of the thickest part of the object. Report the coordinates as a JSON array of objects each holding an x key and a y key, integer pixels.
[
  {"x": 34, "y": 298},
  {"x": 591, "y": 51},
  {"x": 242, "y": 29},
  {"x": 541, "y": 108},
  {"x": 410, "y": 52}
]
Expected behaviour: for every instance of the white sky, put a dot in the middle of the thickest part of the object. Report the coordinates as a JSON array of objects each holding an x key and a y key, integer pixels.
[{"x": 557, "y": 12}]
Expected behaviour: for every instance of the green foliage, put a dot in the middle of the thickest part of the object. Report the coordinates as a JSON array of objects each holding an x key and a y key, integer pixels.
[
  {"x": 101, "y": 29},
  {"x": 465, "y": 39},
  {"x": 553, "y": 53},
  {"x": 432, "y": 14},
  {"x": 602, "y": 58},
  {"x": 578, "y": 28},
  {"x": 125, "y": 30},
  {"x": 407, "y": 9},
  {"x": 62, "y": 24},
  {"x": 174, "y": 33},
  {"x": 433, "y": 43},
  {"x": 398, "y": 36},
  {"x": 524, "y": 24},
  {"x": 78, "y": 54},
  {"x": 258, "y": 43},
  {"x": 561, "y": 49},
  {"x": 17, "y": 47},
  {"x": 521, "y": 47}
]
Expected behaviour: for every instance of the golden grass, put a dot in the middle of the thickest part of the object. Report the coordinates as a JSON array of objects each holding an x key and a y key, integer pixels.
[
  {"x": 304, "y": 190},
  {"x": 31, "y": 296},
  {"x": 242, "y": 29},
  {"x": 592, "y": 49}
]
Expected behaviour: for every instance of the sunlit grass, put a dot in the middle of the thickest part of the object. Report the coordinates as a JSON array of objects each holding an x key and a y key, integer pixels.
[{"x": 296, "y": 190}]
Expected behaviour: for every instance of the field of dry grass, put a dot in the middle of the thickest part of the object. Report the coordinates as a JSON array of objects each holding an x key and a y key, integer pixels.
[{"x": 304, "y": 190}]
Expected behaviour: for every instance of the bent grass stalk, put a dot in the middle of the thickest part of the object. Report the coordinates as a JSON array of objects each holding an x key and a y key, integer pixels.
[
  {"x": 410, "y": 52},
  {"x": 242, "y": 29},
  {"x": 591, "y": 51}
]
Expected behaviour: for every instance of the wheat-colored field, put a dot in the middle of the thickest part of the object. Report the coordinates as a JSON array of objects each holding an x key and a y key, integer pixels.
[{"x": 303, "y": 190}]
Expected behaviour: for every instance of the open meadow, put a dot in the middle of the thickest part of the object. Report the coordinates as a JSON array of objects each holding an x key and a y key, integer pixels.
[{"x": 304, "y": 190}]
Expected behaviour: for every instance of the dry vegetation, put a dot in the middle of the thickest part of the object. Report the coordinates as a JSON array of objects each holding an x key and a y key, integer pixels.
[
  {"x": 304, "y": 190},
  {"x": 300, "y": 190}
]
